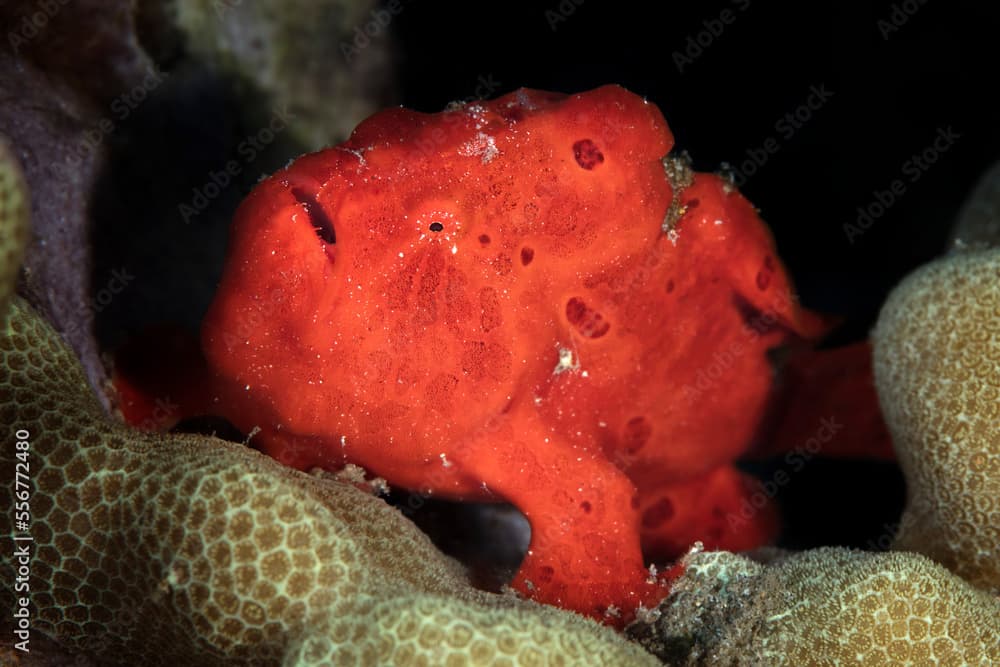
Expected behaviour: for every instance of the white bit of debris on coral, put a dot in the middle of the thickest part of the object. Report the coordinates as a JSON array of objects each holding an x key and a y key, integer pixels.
[
  {"x": 379, "y": 486},
  {"x": 673, "y": 235},
  {"x": 483, "y": 145},
  {"x": 254, "y": 431},
  {"x": 694, "y": 550},
  {"x": 351, "y": 473},
  {"x": 651, "y": 579}
]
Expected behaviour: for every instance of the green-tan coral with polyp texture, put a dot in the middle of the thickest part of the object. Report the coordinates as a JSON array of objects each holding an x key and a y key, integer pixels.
[
  {"x": 189, "y": 550},
  {"x": 830, "y": 607},
  {"x": 14, "y": 207},
  {"x": 937, "y": 368}
]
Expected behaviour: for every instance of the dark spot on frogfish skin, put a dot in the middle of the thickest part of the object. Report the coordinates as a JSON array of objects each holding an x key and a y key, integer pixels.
[
  {"x": 589, "y": 322},
  {"x": 587, "y": 154},
  {"x": 527, "y": 254},
  {"x": 484, "y": 239},
  {"x": 317, "y": 216}
]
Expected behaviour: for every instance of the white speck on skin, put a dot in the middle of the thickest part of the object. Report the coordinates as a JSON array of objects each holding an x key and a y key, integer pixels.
[
  {"x": 567, "y": 361},
  {"x": 356, "y": 153},
  {"x": 444, "y": 460}
]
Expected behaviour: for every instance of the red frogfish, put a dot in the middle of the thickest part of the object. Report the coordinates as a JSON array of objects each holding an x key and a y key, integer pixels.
[{"x": 514, "y": 300}]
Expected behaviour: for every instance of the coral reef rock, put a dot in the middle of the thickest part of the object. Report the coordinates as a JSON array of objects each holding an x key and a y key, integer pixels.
[
  {"x": 329, "y": 61},
  {"x": 937, "y": 368},
  {"x": 829, "y": 606},
  {"x": 978, "y": 223}
]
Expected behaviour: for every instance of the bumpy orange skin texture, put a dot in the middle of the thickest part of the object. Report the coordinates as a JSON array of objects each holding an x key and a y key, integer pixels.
[{"x": 486, "y": 304}]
